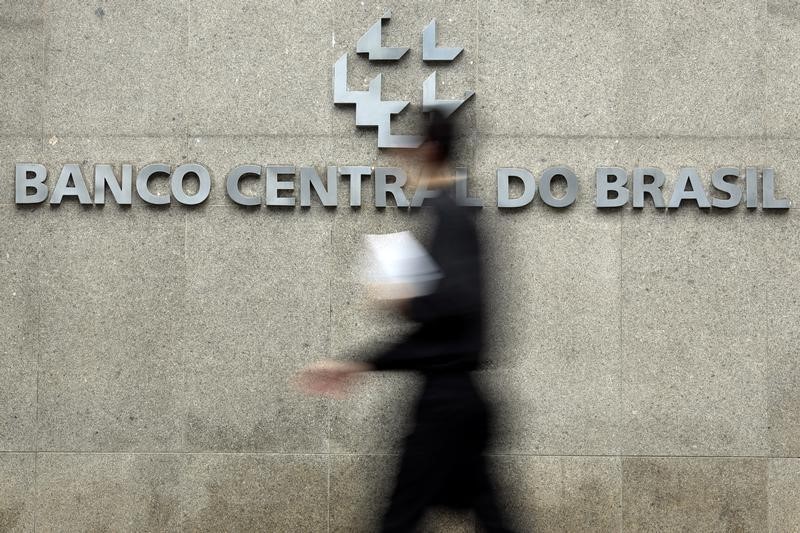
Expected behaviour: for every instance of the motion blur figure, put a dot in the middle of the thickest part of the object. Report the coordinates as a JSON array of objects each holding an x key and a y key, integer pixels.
[{"x": 443, "y": 462}]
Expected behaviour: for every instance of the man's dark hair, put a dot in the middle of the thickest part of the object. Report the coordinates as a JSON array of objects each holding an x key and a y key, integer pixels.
[{"x": 439, "y": 135}]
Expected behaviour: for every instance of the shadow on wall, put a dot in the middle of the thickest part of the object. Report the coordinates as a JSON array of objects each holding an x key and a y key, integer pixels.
[
  {"x": 584, "y": 507},
  {"x": 229, "y": 508},
  {"x": 162, "y": 500},
  {"x": 255, "y": 493},
  {"x": 538, "y": 494},
  {"x": 528, "y": 511}
]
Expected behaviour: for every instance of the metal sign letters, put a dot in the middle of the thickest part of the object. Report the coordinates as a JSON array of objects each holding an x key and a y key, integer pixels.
[
  {"x": 287, "y": 186},
  {"x": 371, "y": 109}
]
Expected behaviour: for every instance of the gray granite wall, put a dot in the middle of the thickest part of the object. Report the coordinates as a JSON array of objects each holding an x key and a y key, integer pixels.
[{"x": 645, "y": 363}]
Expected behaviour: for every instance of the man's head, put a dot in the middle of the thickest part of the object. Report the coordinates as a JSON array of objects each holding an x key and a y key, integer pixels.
[{"x": 439, "y": 136}]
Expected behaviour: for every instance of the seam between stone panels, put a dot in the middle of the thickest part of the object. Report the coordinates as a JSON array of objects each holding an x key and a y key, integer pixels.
[
  {"x": 489, "y": 135},
  {"x": 476, "y": 72},
  {"x": 329, "y": 347},
  {"x": 37, "y": 347},
  {"x": 17, "y": 136},
  {"x": 181, "y": 133},
  {"x": 761, "y": 23},
  {"x": 620, "y": 363},
  {"x": 186, "y": 113},
  {"x": 207, "y": 134},
  {"x": 43, "y": 107},
  {"x": 621, "y": 499},
  {"x": 329, "y": 406},
  {"x": 769, "y": 478},
  {"x": 183, "y": 347},
  {"x": 393, "y": 454},
  {"x": 621, "y": 492},
  {"x": 765, "y": 481},
  {"x": 175, "y": 452},
  {"x": 18, "y": 452},
  {"x": 185, "y": 86},
  {"x": 35, "y": 489},
  {"x": 634, "y": 136},
  {"x": 160, "y": 135},
  {"x": 328, "y": 499},
  {"x": 329, "y": 79},
  {"x": 765, "y": 369}
]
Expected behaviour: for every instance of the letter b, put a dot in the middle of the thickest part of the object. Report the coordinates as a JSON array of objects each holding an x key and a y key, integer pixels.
[
  {"x": 35, "y": 182},
  {"x": 605, "y": 186}
]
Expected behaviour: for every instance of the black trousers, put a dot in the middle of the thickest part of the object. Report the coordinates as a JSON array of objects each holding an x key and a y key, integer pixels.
[{"x": 443, "y": 462}]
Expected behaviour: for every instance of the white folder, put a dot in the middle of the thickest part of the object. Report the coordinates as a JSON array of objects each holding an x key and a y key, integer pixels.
[{"x": 399, "y": 266}]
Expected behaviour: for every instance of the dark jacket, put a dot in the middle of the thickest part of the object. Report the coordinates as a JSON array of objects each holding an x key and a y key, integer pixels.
[
  {"x": 449, "y": 333},
  {"x": 443, "y": 462}
]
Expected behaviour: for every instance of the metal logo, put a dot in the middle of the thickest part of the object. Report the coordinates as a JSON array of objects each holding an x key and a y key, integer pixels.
[{"x": 371, "y": 109}]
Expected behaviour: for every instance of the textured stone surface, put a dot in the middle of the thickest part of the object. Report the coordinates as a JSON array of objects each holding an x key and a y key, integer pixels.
[
  {"x": 360, "y": 486},
  {"x": 22, "y": 76},
  {"x": 620, "y": 342},
  {"x": 253, "y": 492},
  {"x": 261, "y": 59},
  {"x": 532, "y": 63},
  {"x": 17, "y": 493},
  {"x": 783, "y": 335},
  {"x": 109, "y": 492},
  {"x": 178, "y": 492},
  {"x": 258, "y": 309},
  {"x": 560, "y": 493},
  {"x": 15, "y": 150},
  {"x": 116, "y": 68},
  {"x": 694, "y": 494},
  {"x": 784, "y": 493},
  {"x": 693, "y": 380},
  {"x": 694, "y": 68},
  {"x": 694, "y": 370},
  {"x": 111, "y": 343},
  {"x": 19, "y": 316},
  {"x": 555, "y": 365},
  {"x": 781, "y": 34}
]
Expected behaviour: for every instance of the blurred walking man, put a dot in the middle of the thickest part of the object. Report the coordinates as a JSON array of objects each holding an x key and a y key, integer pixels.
[{"x": 443, "y": 461}]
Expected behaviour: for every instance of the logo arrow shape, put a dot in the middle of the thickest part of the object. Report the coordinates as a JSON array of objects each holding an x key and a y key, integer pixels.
[
  {"x": 430, "y": 52},
  {"x": 370, "y": 43},
  {"x": 431, "y": 103},
  {"x": 371, "y": 110}
]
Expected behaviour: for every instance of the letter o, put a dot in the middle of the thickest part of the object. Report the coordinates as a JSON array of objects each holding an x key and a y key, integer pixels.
[
  {"x": 176, "y": 184},
  {"x": 546, "y": 193}
]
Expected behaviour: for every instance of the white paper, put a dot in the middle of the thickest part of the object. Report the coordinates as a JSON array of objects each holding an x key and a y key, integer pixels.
[{"x": 399, "y": 266}]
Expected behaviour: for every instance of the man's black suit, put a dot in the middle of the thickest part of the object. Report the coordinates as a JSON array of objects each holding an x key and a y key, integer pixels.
[{"x": 443, "y": 462}]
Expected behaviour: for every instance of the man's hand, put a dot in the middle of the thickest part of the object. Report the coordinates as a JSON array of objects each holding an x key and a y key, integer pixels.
[
  {"x": 389, "y": 293},
  {"x": 329, "y": 378},
  {"x": 395, "y": 297}
]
